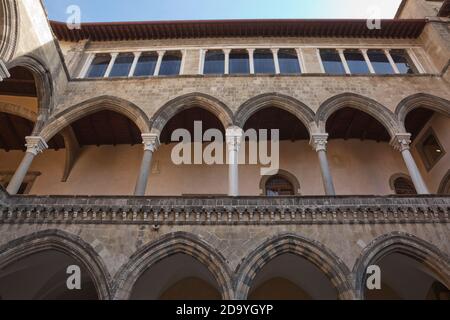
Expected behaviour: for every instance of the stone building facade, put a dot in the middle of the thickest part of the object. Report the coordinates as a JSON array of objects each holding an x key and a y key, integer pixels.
[{"x": 87, "y": 176}]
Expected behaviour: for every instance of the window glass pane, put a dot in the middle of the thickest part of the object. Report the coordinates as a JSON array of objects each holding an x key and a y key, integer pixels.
[
  {"x": 279, "y": 186},
  {"x": 432, "y": 150},
  {"x": 288, "y": 61},
  {"x": 214, "y": 62},
  {"x": 239, "y": 63},
  {"x": 98, "y": 66},
  {"x": 404, "y": 186},
  {"x": 332, "y": 62},
  {"x": 122, "y": 65},
  {"x": 356, "y": 62},
  {"x": 403, "y": 62},
  {"x": 170, "y": 64},
  {"x": 146, "y": 64},
  {"x": 380, "y": 62},
  {"x": 263, "y": 60}
]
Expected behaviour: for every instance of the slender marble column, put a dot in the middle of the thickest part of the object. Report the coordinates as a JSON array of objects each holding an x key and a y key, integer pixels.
[
  {"x": 276, "y": 61},
  {"x": 161, "y": 54},
  {"x": 251, "y": 60},
  {"x": 233, "y": 139},
  {"x": 35, "y": 145},
  {"x": 401, "y": 142},
  {"x": 151, "y": 143},
  {"x": 319, "y": 143}
]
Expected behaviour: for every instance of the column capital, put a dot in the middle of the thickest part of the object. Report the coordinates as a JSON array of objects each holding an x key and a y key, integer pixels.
[
  {"x": 234, "y": 138},
  {"x": 401, "y": 141},
  {"x": 150, "y": 141},
  {"x": 319, "y": 141},
  {"x": 35, "y": 144}
]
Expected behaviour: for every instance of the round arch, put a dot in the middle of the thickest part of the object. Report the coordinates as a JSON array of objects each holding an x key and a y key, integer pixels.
[
  {"x": 61, "y": 120},
  {"x": 289, "y": 104},
  {"x": 18, "y": 110},
  {"x": 396, "y": 176},
  {"x": 9, "y": 15},
  {"x": 399, "y": 242},
  {"x": 166, "y": 246},
  {"x": 356, "y": 101},
  {"x": 444, "y": 187},
  {"x": 63, "y": 242},
  {"x": 336, "y": 271},
  {"x": 283, "y": 173},
  {"x": 421, "y": 100},
  {"x": 204, "y": 101}
]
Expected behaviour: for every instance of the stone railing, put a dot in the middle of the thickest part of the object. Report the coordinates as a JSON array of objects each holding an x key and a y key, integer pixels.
[{"x": 223, "y": 210}]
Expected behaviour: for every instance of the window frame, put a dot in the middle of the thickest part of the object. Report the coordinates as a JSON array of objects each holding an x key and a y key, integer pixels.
[{"x": 419, "y": 147}]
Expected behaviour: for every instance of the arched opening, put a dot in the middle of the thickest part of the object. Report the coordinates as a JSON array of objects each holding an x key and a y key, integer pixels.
[
  {"x": 295, "y": 154},
  {"x": 361, "y": 159},
  {"x": 444, "y": 187},
  {"x": 402, "y": 185},
  {"x": 102, "y": 156},
  {"x": 178, "y": 277},
  {"x": 18, "y": 114},
  {"x": 291, "y": 277},
  {"x": 189, "y": 157},
  {"x": 430, "y": 132},
  {"x": 283, "y": 183},
  {"x": 279, "y": 186},
  {"x": 43, "y": 276},
  {"x": 405, "y": 278}
]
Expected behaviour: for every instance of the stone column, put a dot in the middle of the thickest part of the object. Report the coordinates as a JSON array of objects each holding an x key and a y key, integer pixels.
[
  {"x": 401, "y": 142},
  {"x": 137, "y": 55},
  {"x": 111, "y": 64},
  {"x": 369, "y": 63},
  {"x": 151, "y": 143},
  {"x": 251, "y": 59},
  {"x": 319, "y": 143},
  {"x": 227, "y": 60},
  {"x": 233, "y": 139},
  {"x": 344, "y": 61},
  {"x": 391, "y": 61},
  {"x": 276, "y": 61},
  {"x": 161, "y": 54},
  {"x": 35, "y": 145}
]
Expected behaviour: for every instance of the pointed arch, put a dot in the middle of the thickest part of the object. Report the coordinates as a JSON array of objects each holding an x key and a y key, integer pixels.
[
  {"x": 196, "y": 99},
  {"x": 289, "y": 104},
  {"x": 314, "y": 252},
  {"x": 359, "y": 102},
  {"x": 421, "y": 100},
  {"x": 43, "y": 82},
  {"x": 63, "y": 242},
  {"x": 9, "y": 15},
  {"x": 168, "y": 245},
  {"x": 400, "y": 242},
  {"x": 61, "y": 120}
]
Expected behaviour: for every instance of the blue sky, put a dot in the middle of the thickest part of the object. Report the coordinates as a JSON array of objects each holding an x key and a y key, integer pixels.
[{"x": 144, "y": 10}]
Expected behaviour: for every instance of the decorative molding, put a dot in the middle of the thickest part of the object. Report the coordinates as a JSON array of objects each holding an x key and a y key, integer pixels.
[
  {"x": 319, "y": 141},
  {"x": 225, "y": 210},
  {"x": 150, "y": 141},
  {"x": 35, "y": 144},
  {"x": 401, "y": 141},
  {"x": 234, "y": 138}
]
